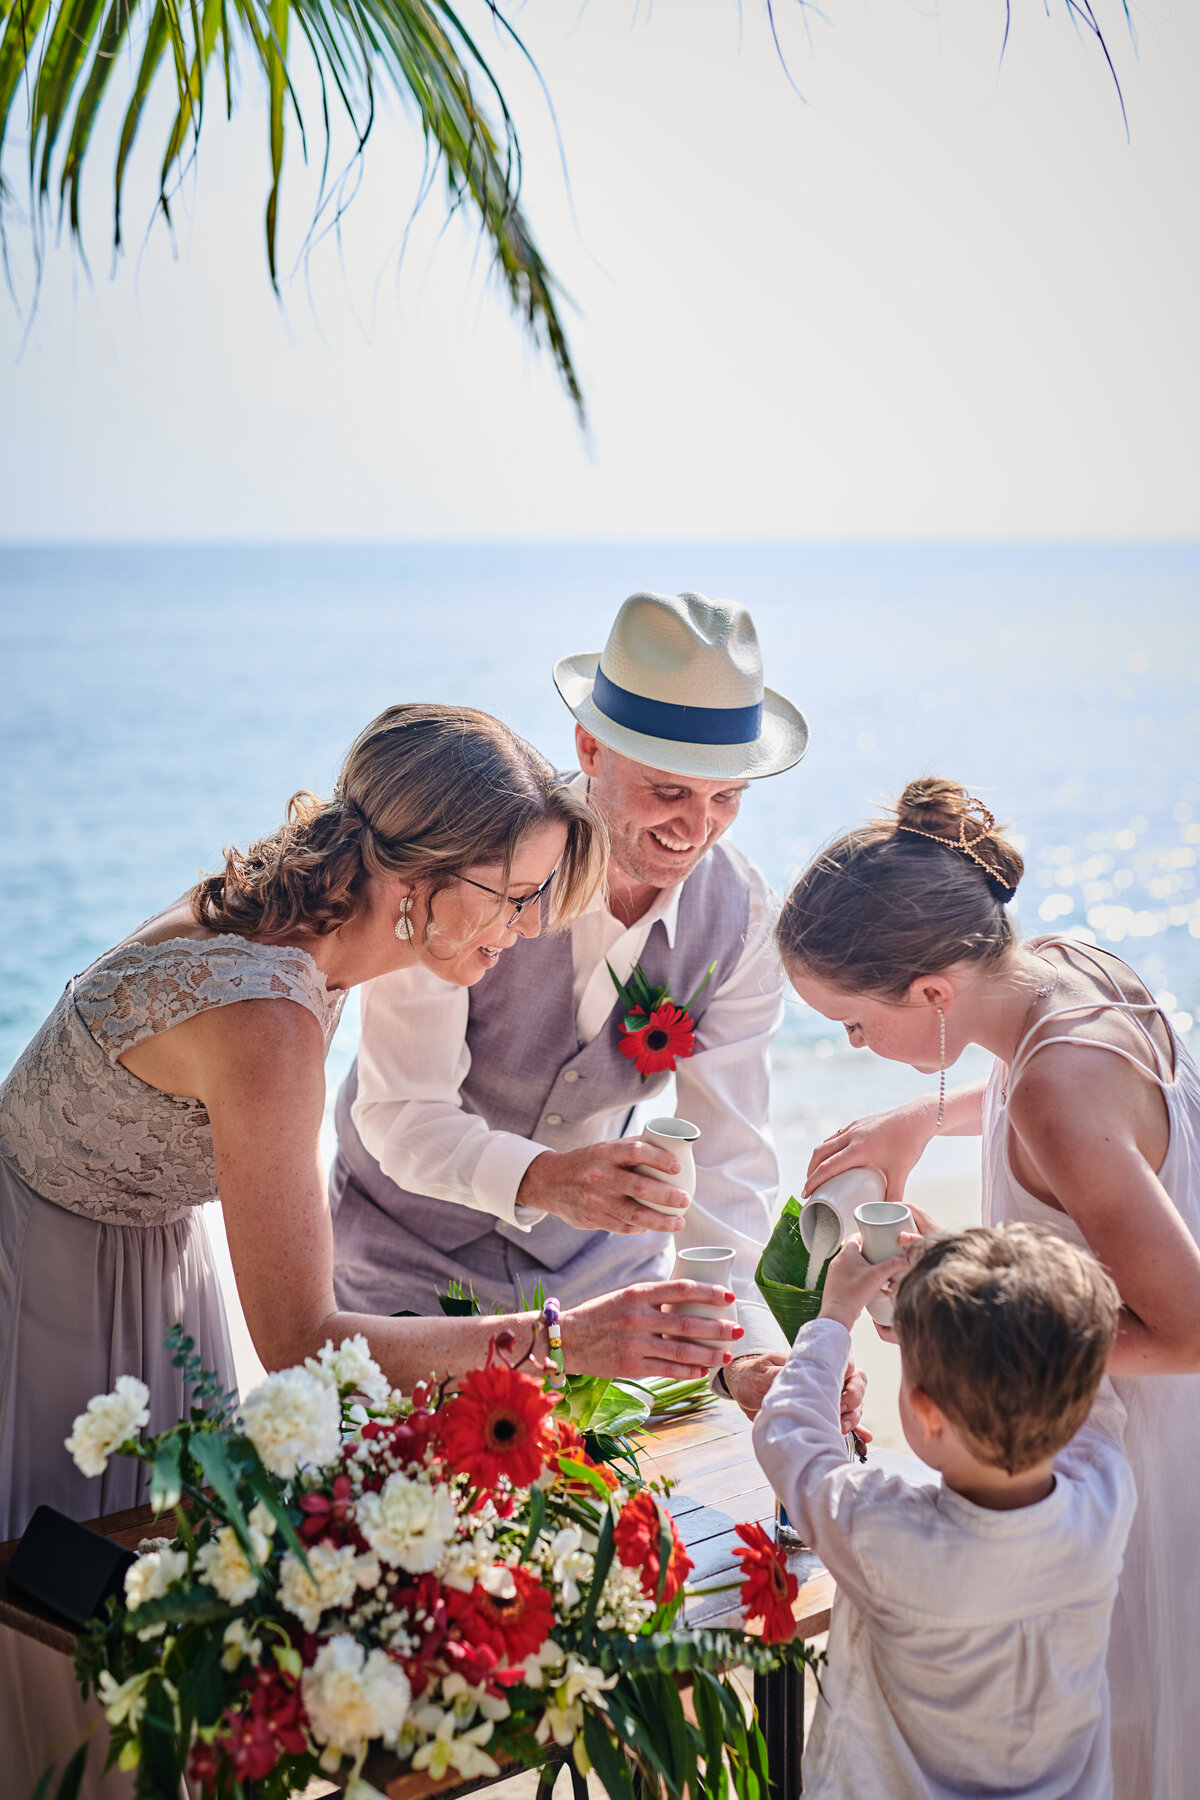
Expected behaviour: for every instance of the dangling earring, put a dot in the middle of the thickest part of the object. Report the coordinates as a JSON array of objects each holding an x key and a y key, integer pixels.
[
  {"x": 942, "y": 1092},
  {"x": 404, "y": 928}
]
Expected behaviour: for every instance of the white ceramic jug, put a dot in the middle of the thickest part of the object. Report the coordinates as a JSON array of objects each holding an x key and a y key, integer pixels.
[
  {"x": 676, "y": 1137},
  {"x": 827, "y": 1216}
]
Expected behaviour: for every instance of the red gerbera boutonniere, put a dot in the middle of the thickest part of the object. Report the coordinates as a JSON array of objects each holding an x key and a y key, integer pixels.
[
  {"x": 654, "y": 1031},
  {"x": 768, "y": 1586},
  {"x": 495, "y": 1425}
]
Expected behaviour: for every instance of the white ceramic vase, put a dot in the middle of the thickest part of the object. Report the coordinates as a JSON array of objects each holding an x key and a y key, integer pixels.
[{"x": 676, "y": 1137}]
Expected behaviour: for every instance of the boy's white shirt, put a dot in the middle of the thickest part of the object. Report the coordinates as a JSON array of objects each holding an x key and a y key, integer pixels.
[{"x": 967, "y": 1646}]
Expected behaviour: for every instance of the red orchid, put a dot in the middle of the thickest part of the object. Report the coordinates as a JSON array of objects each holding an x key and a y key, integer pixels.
[
  {"x": 495, "y": 1425},
  {"x": 637, "y": 1536},
  {"x": 327, "y": 1515},
  {"x": 768, "y": 1586}
]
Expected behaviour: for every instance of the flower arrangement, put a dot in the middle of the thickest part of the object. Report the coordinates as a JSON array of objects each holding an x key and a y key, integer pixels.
[{"x": 451, "y": 1577}]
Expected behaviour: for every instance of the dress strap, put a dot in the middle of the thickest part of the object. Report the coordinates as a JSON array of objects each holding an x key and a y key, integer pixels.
[{"x": 1026, "y": 1051}]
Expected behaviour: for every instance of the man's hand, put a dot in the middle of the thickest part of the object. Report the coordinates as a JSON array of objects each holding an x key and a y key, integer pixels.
[
  {"x": 596, "y": 1189},
  {"x": 749, "y": 1377}
]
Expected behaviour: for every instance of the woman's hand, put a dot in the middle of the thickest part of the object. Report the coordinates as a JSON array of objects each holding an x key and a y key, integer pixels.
[
  {"x": 630, "y": 1334},
  {"x": 891, "y": 1142}
]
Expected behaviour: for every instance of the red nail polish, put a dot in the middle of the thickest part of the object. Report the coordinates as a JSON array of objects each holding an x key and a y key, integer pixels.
[
  {"x": 728, "y": 1357},
  {"x": 728, "y": 1296},
  {"x": 739, "y": 1331}
]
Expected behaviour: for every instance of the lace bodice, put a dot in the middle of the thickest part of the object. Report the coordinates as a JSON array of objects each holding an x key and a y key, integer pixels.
[{"x": 93, "y": 1138}]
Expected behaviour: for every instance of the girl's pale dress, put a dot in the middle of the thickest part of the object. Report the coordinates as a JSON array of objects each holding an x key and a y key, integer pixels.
[
  {"x": 102, "y": 1249},
  {"x": 1154, "y": 1653}
]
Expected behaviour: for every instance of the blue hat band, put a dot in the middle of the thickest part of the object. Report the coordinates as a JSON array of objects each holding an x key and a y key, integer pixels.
[{"x": 680, "y": 724}]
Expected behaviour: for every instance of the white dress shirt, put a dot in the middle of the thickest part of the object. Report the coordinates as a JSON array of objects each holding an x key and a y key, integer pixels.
[
  {"x": 413, "y": 1058},
  {"x": 967, "y": 1646}
]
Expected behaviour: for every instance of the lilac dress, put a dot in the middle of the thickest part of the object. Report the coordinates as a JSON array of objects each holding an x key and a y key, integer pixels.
[
  {"x": 102, "y": 1249},
  {"x": 1155, "y": 1643}
]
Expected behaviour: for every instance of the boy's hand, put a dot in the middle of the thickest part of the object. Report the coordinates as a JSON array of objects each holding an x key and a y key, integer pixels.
[{"x": 850, "y": 1280}]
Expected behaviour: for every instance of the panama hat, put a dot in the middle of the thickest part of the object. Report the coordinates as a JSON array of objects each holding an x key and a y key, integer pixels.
[{"x": 679, "y": 686}]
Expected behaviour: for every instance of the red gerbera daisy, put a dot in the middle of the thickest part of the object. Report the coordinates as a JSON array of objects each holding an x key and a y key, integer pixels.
[
  {"x": 494, "y": 1426},
  {"x": 768, "y": 1587},
  {"x": 637, "y": 1536},
  {"x": 668, "y": 1032},
  {"x": 568, "y": 1445},
  {"x": 513, "y": 1625}
]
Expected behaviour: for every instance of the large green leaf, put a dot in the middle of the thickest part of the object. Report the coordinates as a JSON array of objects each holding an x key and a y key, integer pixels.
[{"x": 61, "y": 59}]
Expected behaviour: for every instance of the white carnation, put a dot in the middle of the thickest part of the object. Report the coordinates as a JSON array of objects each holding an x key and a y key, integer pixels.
[
  {"x": 223, "y": 1564},
  {"x": 292, "y": 1419},
  {"x": 352, "y": 1697},
  {"x": 151, "y": 1575},
  {"x": 408, "y": 1523},
  {"x": 110, "y": 1420},
  {"x": 333, "y": 1582},
  {"x": 351, "y": 1366}
]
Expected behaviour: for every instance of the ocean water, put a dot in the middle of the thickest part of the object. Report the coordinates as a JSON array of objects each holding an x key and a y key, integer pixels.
[{"x": 159, "y": 703}]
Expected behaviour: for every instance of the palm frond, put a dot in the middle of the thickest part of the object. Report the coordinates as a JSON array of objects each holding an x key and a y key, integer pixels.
[{"x": 58, "y": 60}]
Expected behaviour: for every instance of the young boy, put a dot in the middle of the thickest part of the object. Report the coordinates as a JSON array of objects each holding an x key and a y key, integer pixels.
[{"x": 969, "y": 1631}]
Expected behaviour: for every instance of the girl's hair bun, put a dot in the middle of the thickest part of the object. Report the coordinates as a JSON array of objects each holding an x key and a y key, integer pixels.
[{"x": 942, "y": 811}]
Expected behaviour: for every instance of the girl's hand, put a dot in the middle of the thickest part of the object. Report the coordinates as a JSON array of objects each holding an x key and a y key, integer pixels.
[
  {"x": 630, "y": 1334},
  {"x": 891, "y": 1142}
]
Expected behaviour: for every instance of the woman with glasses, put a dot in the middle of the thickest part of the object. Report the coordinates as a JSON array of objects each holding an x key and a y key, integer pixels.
[{"x": 186, "y": 1065}]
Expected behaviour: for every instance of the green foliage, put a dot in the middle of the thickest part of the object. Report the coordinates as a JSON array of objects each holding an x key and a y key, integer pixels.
[
  {"x": 72, "y": 1778},
  {"x": 61, "y": 59},
  {"x": 781, "y": 1273}
]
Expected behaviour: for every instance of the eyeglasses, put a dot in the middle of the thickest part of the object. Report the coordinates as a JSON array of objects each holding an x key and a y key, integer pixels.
[{"x": 518, "y": 906}]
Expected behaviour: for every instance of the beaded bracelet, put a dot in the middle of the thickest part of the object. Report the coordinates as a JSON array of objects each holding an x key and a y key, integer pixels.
[{"x": 550, "y": 1319}]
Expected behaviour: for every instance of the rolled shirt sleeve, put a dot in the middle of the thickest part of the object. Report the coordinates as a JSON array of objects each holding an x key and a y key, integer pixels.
[
  {"x": 725, "y": 1090},
  {"x": 412, "y": 1062}
]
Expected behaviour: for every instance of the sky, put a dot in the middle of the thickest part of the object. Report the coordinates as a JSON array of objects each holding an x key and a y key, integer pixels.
[{"x": 932, "y": 294}]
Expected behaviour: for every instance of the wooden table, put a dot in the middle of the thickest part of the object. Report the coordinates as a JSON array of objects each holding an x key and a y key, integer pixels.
[{"x": 718, "y": 1485}]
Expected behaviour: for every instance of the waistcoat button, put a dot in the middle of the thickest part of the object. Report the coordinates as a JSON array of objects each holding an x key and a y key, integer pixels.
[
  {"x": 554, "y": 1118},
  {"x": 571, "y": 1075}
]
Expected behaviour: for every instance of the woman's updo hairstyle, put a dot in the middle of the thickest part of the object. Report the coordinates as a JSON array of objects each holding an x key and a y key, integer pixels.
[
  {"x": 425, "y": 792},
  {"x": 908, "y": 894}
]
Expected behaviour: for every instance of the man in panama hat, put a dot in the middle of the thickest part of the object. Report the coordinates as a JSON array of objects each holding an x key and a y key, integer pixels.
[{"x": 489, "y": 1142}]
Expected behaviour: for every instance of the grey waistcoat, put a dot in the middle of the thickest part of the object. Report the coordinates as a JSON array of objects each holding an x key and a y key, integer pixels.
[{"x": 529, "y": 1075}]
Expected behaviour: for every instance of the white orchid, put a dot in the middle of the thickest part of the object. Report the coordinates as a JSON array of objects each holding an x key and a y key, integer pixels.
[
  {"x": 124, "y": 1702},
  {"x": 408, "y": 1523},
  {"x": 240, "y": 1646},
  {"x": 465, "y": 1752},
  {"x": 293, "y": 1419},
  {"x": 550, "y": 1656},
  {"x": 467, "y": 1700},
  {"x": 110, "y": 1421},
  {"x": 570, "y": 1564},
  {"x": 580, "y": 1685},
  {"x": 333, "y": 1581}
]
